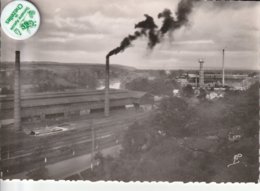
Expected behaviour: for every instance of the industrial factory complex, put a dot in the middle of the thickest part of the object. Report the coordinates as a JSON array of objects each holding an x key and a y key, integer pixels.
[
  {"x": 20, "y": 107},
  {"x": 60, "y": 105},
  {"x": 214, "y": 80},
  {"x": 84, "y": 121}
]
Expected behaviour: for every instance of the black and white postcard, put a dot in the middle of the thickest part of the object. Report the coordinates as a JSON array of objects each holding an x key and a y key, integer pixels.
[{"x": 132, "y": 90}]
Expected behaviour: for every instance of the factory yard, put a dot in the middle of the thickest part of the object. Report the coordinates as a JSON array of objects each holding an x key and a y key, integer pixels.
[
  {"x": 158, "y": 130},
  {"x": 24, "y": 153},
  {"x": 178, "y": 137},
  {"x": 216, "y": 137},
  {"x": 162, "y": 126}
]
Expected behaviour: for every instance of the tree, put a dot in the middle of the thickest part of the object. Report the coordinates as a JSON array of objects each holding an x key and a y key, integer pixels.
[
  {"x": 174, "y": 114},
  {"x": 171, "y": 157},
  {"x": 138, "y": 84},
  {"x": 202, "y": 94},
  {"x": 158, "y": 86},
  {"x": 188, "y": 91}
]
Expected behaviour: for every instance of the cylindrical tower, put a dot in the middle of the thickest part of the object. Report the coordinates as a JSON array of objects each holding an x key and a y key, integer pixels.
[
  {"x": 223, "y": 67},
  {"x": 17, "y": 92},
  {"x": 107, "y": 106},
  {"x": 201, "y": 73}
]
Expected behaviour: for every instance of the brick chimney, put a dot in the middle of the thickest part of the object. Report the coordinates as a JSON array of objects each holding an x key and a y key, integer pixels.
[
  {"x": 17, "y": 92},
  {"x": 107, "y": 105}
]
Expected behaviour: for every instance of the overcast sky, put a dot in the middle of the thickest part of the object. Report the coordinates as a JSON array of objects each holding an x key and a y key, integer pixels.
[{"x": 84, "y": 31}]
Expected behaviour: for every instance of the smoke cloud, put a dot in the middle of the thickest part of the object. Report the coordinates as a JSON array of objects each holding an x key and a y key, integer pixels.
[
  {"x": 149, "y": 29},
  {"x": 183, "y": 11},
  {"x": 146, "y": 28}
]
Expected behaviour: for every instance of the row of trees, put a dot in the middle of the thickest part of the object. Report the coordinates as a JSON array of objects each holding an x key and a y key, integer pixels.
[{"x": 46, "y": 80}]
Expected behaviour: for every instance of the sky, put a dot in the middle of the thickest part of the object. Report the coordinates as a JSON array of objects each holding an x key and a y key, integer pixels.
[{"x": 84, "y": 31}]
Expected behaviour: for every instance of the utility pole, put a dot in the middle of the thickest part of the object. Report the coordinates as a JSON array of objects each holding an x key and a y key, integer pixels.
[
  {"x": 93, "y": 144},
  {"x": 0, "y": 117}
]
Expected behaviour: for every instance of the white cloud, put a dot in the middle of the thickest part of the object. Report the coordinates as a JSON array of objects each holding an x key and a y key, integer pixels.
[
  {"x": 194, "y": 42},
  {"x": 85, "y": 30}
]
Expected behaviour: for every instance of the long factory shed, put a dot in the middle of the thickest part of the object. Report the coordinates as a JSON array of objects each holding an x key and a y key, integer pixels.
[{"x": 53, "y": 105}]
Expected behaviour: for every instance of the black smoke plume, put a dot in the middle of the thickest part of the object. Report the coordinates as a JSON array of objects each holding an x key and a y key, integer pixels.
[
  {"x": 149, "y": 29},
  {"x": 168, "y": 21},
  {"x": 183, "y": 11},
  {"x": 126, "y": 42}
]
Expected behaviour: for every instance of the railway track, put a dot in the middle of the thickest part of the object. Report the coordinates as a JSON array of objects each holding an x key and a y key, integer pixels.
[
  {"x": 60, "y": 138},
  {"x": 23, "y": 155}
]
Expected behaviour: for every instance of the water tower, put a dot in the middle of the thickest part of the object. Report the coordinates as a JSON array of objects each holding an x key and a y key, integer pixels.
[{"x": 201, "y": 73}]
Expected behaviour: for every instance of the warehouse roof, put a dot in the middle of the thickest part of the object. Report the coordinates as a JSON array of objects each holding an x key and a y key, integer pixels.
[{"x": 69, "y": 97}]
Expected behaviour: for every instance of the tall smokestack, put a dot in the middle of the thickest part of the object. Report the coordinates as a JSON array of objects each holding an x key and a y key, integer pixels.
[
  {"x": 223, "y": 67},
  {"x": 201, "y": 73},
  {"x": 107, "y": 107},
  {"x": 17, "y": 92}
]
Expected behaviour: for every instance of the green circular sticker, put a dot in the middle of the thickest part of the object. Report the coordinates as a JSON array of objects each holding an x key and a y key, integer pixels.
[{"x": 20, "y": 20}]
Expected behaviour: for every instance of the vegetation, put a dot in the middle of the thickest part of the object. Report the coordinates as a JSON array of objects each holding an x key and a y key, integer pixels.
[
  {"x": 44, "y": 77},
  {"x": 184, "y": 143},
  {"x": 188, "y": 91},
  {"x": 157, "y": 86},
  {"x": 178, "y": 142}
]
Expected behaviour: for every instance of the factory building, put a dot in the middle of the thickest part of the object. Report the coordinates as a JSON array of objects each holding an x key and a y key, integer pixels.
[{"x": 39, "y": 107}]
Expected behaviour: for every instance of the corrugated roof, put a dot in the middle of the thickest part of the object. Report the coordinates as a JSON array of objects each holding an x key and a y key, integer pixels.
[{"x": 45, "y": 99}]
